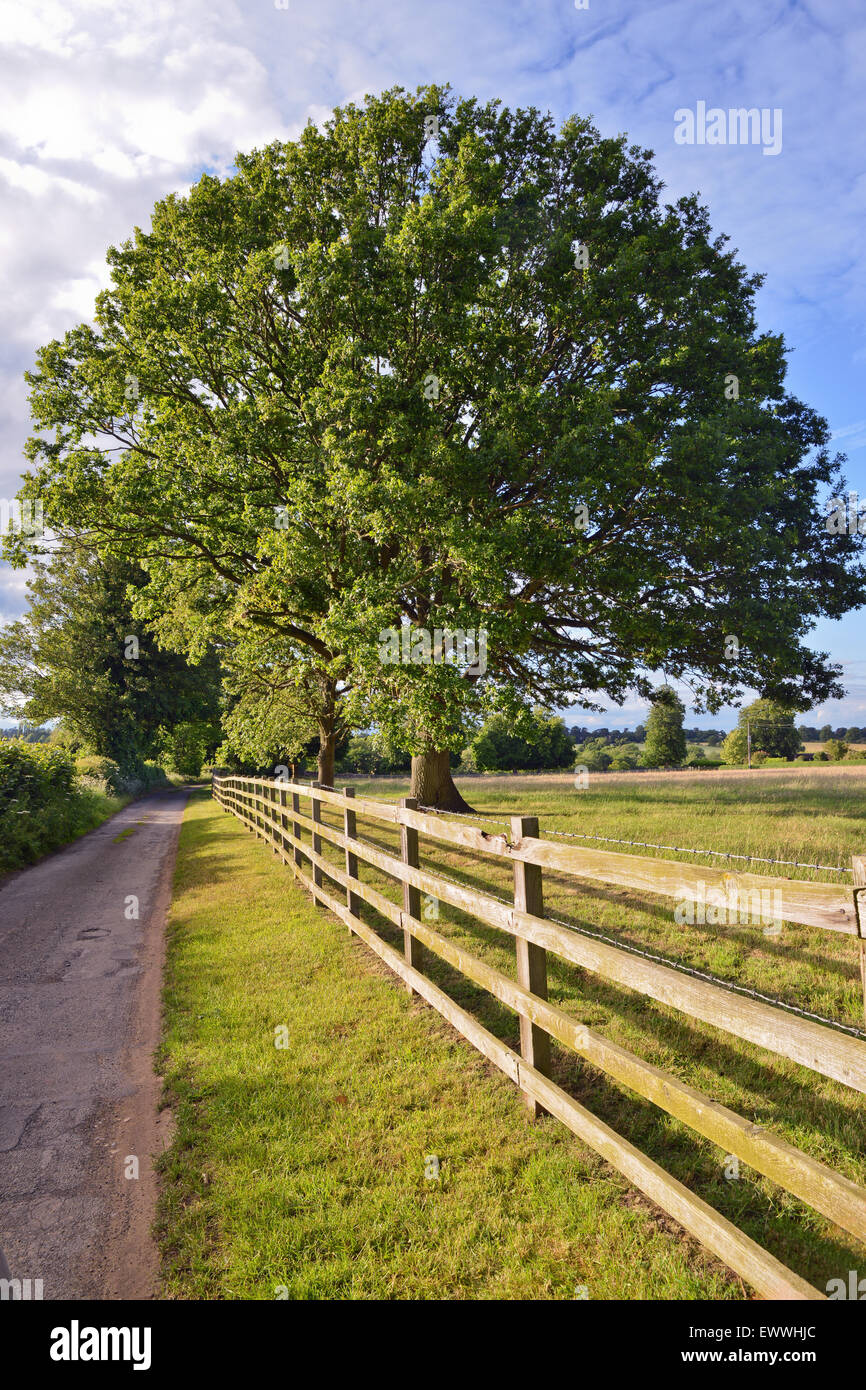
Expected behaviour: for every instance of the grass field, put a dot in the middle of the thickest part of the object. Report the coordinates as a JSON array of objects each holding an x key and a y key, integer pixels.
[{"x": 303, "y": 1168}]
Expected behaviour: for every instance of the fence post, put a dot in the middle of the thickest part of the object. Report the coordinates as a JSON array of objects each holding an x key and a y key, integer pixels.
[
  {"x": 858, "y": 864},
  {"x": 317, "y": 839},
  {"x": 412, "y": 948},
  {"x": 350, "y": 830},
  {"x": 284, "y": 821},
  {"x": 273, "y": 801},
  {"x": 531, "y": 959},
  {"x": 296, "y": 829}
]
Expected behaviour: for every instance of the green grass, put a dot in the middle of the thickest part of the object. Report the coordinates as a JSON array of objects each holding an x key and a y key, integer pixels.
[{"x": 305, "y": 1167}]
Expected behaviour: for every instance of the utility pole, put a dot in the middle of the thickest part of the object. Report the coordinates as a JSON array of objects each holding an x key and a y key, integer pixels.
[{"x": 749, "y": 741}]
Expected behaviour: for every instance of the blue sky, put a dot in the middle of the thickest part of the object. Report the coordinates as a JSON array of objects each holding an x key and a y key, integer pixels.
[{"x": 111, "y": 104}]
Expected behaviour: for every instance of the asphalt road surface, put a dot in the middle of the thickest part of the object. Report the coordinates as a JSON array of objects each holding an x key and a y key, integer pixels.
[{"x": 80, "y": 981}]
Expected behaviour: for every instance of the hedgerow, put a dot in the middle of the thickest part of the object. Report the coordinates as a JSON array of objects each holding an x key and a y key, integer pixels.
[{"x": 42, "y": 806}]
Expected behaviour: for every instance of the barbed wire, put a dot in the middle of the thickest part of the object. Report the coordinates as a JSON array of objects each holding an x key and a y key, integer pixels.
[
  {"x": 621, "y": 945},
  {"x": 465, "y": 815},
  {"x": 637, "y": 844},
  {"x": 648, "y": 844},
  {"x": 720, "y": 853},
  {"x": 729, "y": 985}
]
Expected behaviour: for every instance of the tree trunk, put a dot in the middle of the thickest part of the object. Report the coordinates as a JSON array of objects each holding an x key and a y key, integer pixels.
[
  {"x": 325, "y": 756},
  {"x": 432, "y": 784}
]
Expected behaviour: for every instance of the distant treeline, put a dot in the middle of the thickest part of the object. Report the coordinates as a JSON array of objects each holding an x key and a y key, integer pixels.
[
  {"x": 812, "y": 735},
  {"x": 808, "y": 733},
  {"x": 638, "y": 735},
  {"x": 25, "y": 734}
]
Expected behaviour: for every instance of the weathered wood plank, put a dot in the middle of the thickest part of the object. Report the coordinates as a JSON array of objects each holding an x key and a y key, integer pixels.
[
  {"x": 757, "y": 1266},
  {"x": 858, "y": 866},
  {"x": 824, "y": 905},
  {"x": 411, "y": 895},
  {"x": 317, "y": 842},
  {"x": 296, "y": 829},
  {"x": 377, "y": 810},
  {"x": 767, "y": 1275},
  {"x": 837, "y": 1197},
  {"x": 350, "y": 830},
  {"x": 809, "y": 904},
  {"x": 370, "y": 895},
  {"x": 531, "y": 959},
  {"x": 821, "y": 1049}
]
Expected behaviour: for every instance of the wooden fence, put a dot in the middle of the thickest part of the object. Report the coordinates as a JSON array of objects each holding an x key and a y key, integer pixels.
[{"x": 272, "y": 809}]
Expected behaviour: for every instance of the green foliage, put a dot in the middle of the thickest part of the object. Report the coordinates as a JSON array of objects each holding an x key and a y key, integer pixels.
[
  {"x": 71, "y": 656},
  {"x": 41, "y": 807},
  {"x": 665, "y": 740},
  {"x": 150, "y": 775},
  {"x": 594, "y": 755},
  {"x": 184, "y": 748},
  {"x": 31, "y": 773},
  {"x": 27, "y": 733},
  {"x": 362, "y": 382},
  {"x": 107, "y": 776},
  {"x": 624, "y": 758},
  {"x": 734, "y": 750},
  {"x": 772, "y": 726},
  {"x": 374, "y": 754},
  {"x": 102, "y": 774},
  {"x": 279, "y": 699},
  {"x": 532, "y": 741},
  {"x": 836, "y": 749},
  {"x": 62, "y": 736}
]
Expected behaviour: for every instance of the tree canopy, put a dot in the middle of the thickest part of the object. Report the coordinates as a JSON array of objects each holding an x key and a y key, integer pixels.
[
  {"x": 536, "y": 740},
  {"x": 665, "y": 739},
  {"x": 772, "y": 728},
  {"x": 436, "y": 364},
  {"x": 80, "y": 655}
]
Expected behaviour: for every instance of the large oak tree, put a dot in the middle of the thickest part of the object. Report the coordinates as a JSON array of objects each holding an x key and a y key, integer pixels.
[{"x": 437, "y": 364}]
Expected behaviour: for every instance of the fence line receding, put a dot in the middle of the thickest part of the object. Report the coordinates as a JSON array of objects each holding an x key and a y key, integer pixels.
[{"x": 272, "y": 809}]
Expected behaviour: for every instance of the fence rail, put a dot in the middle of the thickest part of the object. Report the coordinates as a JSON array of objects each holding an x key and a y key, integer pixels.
[{"x": 263, "y": 806}]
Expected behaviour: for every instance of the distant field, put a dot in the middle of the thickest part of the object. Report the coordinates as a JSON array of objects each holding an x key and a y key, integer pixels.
[
  {"x": 818, "y": 747},
  {"x": 809, "y": 814},
  {"x": 304, "y": 1170}
]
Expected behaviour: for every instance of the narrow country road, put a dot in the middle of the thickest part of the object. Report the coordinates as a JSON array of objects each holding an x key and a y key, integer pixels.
[{"x": 80, "y": 980}]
